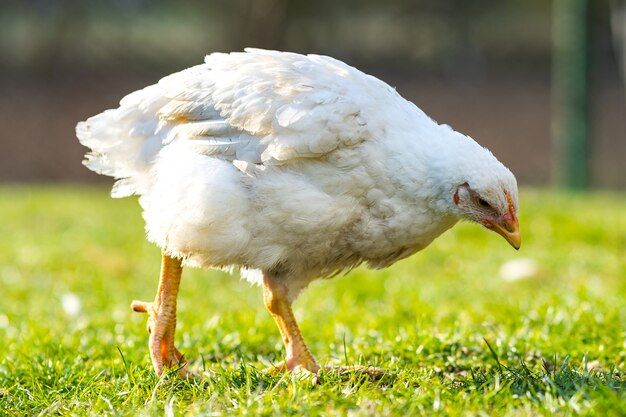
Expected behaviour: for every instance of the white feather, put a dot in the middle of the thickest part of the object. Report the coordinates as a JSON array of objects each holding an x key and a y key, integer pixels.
[{"x": 272, "y": 161}]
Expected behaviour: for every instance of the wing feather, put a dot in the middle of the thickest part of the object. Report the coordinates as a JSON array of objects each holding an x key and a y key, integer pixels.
[
  {"x": 259, "y": 107},
  {"x": 294, "y": 106}
]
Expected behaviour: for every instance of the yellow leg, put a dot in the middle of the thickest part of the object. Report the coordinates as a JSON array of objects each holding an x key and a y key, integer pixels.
[
  {"x": 298, "y": 355},
  {"x": 162, "y": 318}
]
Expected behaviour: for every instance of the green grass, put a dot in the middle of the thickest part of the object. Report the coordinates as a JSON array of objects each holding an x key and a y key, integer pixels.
[{"x": 456, "y": 337}]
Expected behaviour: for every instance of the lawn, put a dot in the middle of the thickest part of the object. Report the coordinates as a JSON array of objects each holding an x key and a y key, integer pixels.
[{"x": 467, "y": 327}]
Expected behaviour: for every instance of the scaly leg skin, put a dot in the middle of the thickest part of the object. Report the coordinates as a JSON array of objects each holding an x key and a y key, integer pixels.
[
  {"x": 299, "y": 357},
  {"x": 162, "y": 319}
]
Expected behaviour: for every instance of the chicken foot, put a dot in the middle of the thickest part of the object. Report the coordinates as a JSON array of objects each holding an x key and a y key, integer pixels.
[
  {"x": 299, "y": 357},
  {"x": 162, "y": 319}
]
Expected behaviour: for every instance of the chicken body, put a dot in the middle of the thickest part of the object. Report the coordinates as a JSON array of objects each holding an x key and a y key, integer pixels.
[
  {"x": 301, "y": 222},
  {"x": 291, "y": 168}
]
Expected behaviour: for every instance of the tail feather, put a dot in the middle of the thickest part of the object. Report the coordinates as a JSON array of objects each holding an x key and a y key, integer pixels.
[{"x": 124, "y": 141}]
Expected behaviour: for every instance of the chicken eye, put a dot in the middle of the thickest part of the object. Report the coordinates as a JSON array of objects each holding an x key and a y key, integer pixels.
[{"x": 483, "y": 203}]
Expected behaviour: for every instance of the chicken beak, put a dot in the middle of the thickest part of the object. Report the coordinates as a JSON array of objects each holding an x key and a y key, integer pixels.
[{"x": 508, "y": 228}]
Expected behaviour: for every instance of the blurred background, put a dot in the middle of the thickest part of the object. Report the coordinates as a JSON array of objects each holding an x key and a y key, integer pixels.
[{"x": 537, "y": 82}]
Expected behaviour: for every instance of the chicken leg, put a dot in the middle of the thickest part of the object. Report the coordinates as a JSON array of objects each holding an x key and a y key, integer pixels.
[
  {"x": 162, "y": 318},
  {"x": 298, "y": 358}
]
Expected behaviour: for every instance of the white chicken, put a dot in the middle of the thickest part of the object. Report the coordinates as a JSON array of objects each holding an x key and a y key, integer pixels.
[{"x": 290, "y": 168}]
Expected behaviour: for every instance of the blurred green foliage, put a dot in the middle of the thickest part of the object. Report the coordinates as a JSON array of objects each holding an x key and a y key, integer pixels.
[
  {"x": 71, "y": 35},
  {"x": 481, "y": 66}
]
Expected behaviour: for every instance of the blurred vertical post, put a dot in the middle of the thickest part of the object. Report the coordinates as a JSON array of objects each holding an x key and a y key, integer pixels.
[
  {"x": 618, "y": 25},
  {"x": 570, "y": 128}
]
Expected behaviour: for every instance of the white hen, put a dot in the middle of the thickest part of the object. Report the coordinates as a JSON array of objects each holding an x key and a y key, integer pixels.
[{"x": 291, "y": 168}]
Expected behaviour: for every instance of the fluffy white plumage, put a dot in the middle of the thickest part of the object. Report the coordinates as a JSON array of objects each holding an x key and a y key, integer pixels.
[{"x": 299, "y": 166}]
